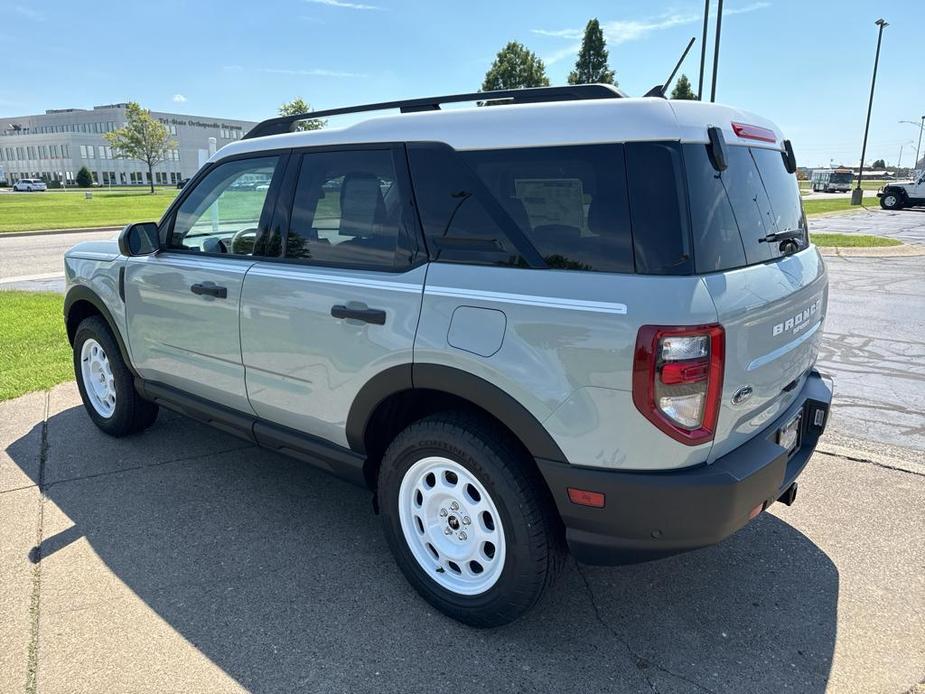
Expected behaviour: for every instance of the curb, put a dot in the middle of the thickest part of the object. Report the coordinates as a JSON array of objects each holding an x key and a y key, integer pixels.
[
  {"x": 904, "y": 250},
  {"x": 49, "y": 232}
]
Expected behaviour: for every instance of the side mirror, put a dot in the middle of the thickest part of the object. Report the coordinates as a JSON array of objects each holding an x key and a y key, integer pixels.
[
  {"x": 717, "y": 148},
  {"x": 139, "y": 239}
]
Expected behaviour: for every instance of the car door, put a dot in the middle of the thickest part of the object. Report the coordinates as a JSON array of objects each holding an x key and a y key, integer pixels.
[
  {"x": 182, "y": 303},
  {"x": 339, "y": 303}
]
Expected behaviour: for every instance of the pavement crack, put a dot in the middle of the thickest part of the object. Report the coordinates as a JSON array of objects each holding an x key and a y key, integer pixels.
[
  {"x": 32, "y": 652},
  {"x": 642, "y": 663},
  {"x": 868, "y": 461}
]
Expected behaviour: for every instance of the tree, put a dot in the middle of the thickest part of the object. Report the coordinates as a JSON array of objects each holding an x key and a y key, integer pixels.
[
  {"x": 142, "y": 137},
  {"x": 879, "y": 164},
  {"x": 297, "y": 106},
  {"x": 682, "y": 89},
  {"x": 591, "y": 66},
  {"x": 515, "y": 67},
  {"x": 84, "y": 177}
]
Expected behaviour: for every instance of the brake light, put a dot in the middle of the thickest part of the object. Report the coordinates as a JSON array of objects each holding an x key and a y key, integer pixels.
[
  {"x": 754, "y": 132},
  {"x": 678, "y": 379}
]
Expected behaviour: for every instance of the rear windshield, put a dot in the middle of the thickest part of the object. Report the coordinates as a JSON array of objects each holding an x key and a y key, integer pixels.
[{"x": 733, "y": 212}]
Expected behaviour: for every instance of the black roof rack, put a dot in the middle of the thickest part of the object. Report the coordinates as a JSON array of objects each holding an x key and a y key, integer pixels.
[{"x": 532, "y": 95}]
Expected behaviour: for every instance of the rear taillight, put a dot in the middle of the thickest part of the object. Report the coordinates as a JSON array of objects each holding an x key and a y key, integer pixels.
[{"x": 678, "y": 379}]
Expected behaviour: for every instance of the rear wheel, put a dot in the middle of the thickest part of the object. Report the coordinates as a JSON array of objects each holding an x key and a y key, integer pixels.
[
  {"x": 468, "y": 519},
  {"x": 105, "y": 382},
  {"x": 891, "y": 201}
]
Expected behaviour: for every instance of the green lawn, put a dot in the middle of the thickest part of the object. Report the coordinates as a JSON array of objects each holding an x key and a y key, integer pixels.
[
  {"x": 69, "y": 209},
  {"x": 805, "y": 186},
  {"x": 836, "y": 205},
  {"x": 851, "y": 240},
  {"x": 33, "y": 344}
]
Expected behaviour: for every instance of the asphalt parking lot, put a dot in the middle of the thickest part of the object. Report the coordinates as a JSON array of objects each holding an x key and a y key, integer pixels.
[{"x": 185, "y": 560}]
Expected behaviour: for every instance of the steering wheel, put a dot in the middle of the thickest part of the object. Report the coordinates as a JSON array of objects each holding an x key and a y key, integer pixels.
[{"x": 243, "y": 242}]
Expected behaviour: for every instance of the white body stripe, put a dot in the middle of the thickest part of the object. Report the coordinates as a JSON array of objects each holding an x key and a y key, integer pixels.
[{"x": 531, "y": 300}]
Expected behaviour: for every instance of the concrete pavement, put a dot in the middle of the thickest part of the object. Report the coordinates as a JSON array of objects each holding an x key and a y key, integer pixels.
[
  {"x": 37, "y": 262},
  {"x": 185, "y": 560}
]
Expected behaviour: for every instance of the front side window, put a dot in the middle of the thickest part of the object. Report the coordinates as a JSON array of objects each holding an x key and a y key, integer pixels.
[
  {"x": 347, "y": 210},
  {"x": 222, "y": 213}
]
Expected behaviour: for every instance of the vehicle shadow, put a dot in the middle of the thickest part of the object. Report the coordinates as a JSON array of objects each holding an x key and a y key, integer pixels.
[{"x": 279, "y": 574}]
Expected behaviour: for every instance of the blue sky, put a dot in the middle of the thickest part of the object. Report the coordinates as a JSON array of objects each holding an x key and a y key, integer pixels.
[{"x": 805, "y": 65}]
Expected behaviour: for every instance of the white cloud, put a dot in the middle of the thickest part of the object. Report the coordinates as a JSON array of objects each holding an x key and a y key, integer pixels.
[
  {"x": 344, "y": 5},
  {"x": 29, "y": 13},
  {"x": 625, "y": 30},
  {"x": 179, "y": 99},
  {"x": 311, "y": 72}
]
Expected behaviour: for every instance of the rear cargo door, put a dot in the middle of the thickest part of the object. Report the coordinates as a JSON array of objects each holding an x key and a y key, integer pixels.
[{"x": 770, "y": 301}]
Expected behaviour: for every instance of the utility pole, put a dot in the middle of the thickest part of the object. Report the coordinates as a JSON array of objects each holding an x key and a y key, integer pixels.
[
  {"x": 919, "y": 145},
  {"x": 857, "y": 195},
  {"x": 703, "y": 48},
  {"x": 719, "y": 26}
]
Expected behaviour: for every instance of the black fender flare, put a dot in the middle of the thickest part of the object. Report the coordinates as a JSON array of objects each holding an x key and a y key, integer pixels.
[
  {"x": 453, "y": 381},
  {"x": 896, "y": 190},
  {"x": 80, "y": 293}
]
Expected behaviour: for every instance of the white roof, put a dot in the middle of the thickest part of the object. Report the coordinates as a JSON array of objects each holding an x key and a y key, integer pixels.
[{"x": 531, "y": 125}]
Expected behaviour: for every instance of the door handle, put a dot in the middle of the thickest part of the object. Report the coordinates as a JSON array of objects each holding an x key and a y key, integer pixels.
[
  {"x": 209, "y": 289},
  {"x": 367, "y": 315}
]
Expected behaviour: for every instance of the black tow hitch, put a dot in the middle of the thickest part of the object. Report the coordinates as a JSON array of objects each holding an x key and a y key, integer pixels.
[{"x": 789, "y": 496}]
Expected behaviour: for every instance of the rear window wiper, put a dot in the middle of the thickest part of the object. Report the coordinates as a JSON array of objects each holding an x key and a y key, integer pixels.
[{"x": 782, "y": 236}]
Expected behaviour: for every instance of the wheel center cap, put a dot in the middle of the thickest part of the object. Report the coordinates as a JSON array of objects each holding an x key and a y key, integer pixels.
[{"x": 453, "y": 522}]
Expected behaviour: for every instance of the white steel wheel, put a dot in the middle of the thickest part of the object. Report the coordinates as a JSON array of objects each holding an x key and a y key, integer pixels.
[
  {"x": 451, "y": 526},
  {"x": 890, "y": 200},
  {"x": 98, "y": 381}
]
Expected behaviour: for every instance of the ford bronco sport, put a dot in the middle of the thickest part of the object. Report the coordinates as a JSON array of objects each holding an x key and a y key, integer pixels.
[{"x": 572, "y": 319}]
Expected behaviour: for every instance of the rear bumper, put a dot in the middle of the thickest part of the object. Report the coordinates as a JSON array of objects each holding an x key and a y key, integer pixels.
[{"x": 648, "y": 515}]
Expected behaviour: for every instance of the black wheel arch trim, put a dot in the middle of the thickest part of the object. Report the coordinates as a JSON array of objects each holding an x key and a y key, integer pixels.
[
  {"x": 453, "y": 381},
  {"x": 80, "y": 293}
]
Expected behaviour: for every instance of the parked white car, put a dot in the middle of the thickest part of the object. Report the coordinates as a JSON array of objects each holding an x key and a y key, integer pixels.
[{"x": 29, "y": 185}]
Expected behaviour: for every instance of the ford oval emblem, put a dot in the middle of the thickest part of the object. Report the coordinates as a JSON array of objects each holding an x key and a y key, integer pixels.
[{"x": 741, "y": 395}]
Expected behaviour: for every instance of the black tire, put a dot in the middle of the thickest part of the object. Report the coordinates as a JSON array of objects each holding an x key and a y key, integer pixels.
[
  {"x": 131, "y": 413},
  {"x": 896, "y": 201},
  {"x": 535, "y": 549}
]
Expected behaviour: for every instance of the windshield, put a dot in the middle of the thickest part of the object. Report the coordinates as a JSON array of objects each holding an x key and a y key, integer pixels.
[
  {"x": 732, "y": 212},
  {"x": 842, "y": 177}
]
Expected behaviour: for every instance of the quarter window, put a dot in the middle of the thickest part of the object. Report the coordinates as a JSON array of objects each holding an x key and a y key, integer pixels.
[
  {"x": 222, "y": 214},
  {"x": 569, "y": 202}
]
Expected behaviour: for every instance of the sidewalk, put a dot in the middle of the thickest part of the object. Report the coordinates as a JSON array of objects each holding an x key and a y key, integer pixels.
[{"x": 186, "y": 560}]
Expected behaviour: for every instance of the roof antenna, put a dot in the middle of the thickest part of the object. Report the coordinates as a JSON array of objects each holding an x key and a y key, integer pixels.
[{"x": 659, "y": 89}]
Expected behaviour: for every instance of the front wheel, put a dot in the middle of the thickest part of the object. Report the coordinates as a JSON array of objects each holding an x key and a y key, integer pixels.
[
  {"x": 105, "y": 382},
  {"x": 468, "y": 519},
  {"x": 890, "y": 201}
]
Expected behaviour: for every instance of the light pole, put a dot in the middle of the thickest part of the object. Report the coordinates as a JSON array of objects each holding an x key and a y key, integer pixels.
[
  {"x": 857, "y": 195},
  {"x": 919, "y": 145},
  {"x": 719, "y": 26},
  {"x": 703, "y": 47}
]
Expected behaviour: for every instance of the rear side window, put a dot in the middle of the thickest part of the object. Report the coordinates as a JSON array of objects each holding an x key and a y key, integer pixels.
[
  {"x": 569, "y": 202},
  {"x": 346, "y": 210}
]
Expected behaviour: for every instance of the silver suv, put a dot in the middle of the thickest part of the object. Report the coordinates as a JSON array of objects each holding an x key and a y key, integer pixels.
[{"x": 569, "y": 320}]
